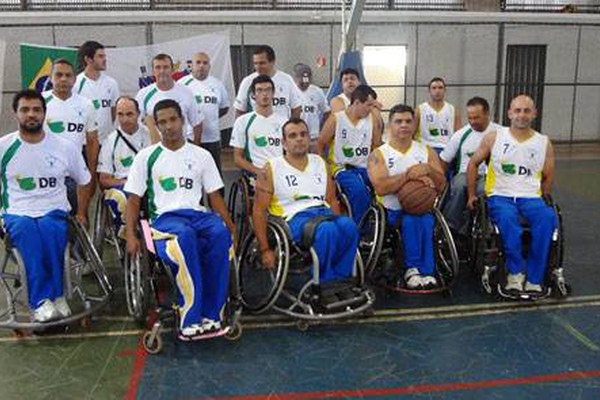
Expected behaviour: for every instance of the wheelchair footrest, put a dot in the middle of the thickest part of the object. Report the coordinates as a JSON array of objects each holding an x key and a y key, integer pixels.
[
  {"x": 336, "y": 296},
  {"x": 204, "y": 336}
]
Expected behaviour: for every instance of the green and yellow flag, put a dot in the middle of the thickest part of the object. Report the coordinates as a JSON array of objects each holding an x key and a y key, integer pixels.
[{"x": 36, "y": 64}]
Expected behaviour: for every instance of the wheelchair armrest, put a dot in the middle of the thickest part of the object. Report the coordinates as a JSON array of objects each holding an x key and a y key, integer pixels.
[{"x": 548, "y": 200}]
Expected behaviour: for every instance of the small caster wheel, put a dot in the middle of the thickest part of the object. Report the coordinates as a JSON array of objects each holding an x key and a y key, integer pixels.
[
  {"x": 235, "y": 332},
  {"x": 302, "y": 325},
  {"x": 152, "y": 346}
]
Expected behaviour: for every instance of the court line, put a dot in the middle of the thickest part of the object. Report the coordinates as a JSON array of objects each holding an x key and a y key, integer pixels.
[
  {"x": 587, "y": 342},
  {"x": 420, "y": 389}
]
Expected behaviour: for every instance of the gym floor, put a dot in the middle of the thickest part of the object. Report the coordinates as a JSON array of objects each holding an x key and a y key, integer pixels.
[{"x": 468, "y": 346}]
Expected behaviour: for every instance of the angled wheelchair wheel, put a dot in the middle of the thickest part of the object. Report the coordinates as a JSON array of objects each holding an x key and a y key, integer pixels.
[
  {"x": 260, "y": 287},
  {"x": 372, "y": 229},
  {"x": 238, "y": 204},
  {"x": 137, "y": 284},
  {"x": 343, "y": 200},
  {"x": 447, "y": 261},
  {"x": 101, "y": 221},
  {"x": 555, "y": 272}
]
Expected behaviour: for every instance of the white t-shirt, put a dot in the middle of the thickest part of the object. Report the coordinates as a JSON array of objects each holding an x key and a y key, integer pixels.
[
  {"x": 210, "y": 95},
  {"x": 177, "y": 177},
  {"x": 260, "y": 137},
  {"x": 116, "y": 157},
  {"x": 33, "y": 174},
  {"x": 150, "y": 95},
  {"x": 468, "y": 139},
  {"x": 103, "y": 93},
  {"x": 71, "y": 118},
  {"x": 314, "y": 105},
  {"x": 435, "y": 127},
  {"x": 287, "y": 96}
]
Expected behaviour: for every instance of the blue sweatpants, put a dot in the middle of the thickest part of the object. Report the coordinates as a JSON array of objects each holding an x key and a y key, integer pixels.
[
  {"x": 197, "y": 247},
  {"x": 505, "y": 212},
  {"x": 355, "y": 184},
  {"x": 417, "y": 239},
  {"x": 116, "y": 199},
  {"x": 41, "y": 242},
  {"x": 335, "y": 242}
]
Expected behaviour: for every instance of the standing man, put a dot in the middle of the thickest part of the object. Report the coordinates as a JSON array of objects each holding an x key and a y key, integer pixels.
[
  {"x": 94, "y": 84},
  {"x": 73, "y": 117},
  {"x": 212, "y": 100},
  {"x": 166, "y": 88},
  {"x": 314, "y": 103},
  {"x": 34, "y": 202},
  {"x": 286, "y": 98},
  {"x": 520, "y": 172},
  {"x": 437, "y": 120},
  {"x": 350, "y": 81}
]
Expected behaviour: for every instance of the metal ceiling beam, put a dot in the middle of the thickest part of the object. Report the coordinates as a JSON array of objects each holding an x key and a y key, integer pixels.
[{"x": 353, "y": 22}]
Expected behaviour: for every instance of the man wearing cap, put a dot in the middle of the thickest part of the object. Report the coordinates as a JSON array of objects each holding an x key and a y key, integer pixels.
[{"x": 314, "y": 105}]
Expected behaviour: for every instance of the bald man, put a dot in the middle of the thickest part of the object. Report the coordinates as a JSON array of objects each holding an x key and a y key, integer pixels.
[
  {"x": 213, "y": 103},
  {"x": 520, "y": 172}
]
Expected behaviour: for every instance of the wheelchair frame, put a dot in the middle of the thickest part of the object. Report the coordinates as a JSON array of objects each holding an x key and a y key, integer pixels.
[{"x": 239, "y": 205}]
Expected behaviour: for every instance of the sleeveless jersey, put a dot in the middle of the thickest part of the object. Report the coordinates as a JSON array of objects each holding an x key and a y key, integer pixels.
[
  {"x": 296, "y": 190},
  {"x": 397, "y": 162},
  {"x": 352, "y": 143},
  {"x": 515, "y": 169},
  {"x": 344, "y": 98},
  {"x": 435, "y": 127}
]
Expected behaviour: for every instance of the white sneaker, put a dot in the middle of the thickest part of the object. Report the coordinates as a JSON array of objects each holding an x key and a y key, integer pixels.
[
  {"x": 192, "y": 330},
  {"x": 533, "y": 287},
  {"x": 515, "y": 282},
  {"x": 209, "y": 325},
  {"x": 62, "y": 307},
  {"x": 45, "y": 312},
  {"x": 413, "y": 278},
  {"x": 429, "y": 281}
]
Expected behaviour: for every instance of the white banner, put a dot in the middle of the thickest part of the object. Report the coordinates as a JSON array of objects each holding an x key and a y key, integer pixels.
[{"x": 126, "y": 64}]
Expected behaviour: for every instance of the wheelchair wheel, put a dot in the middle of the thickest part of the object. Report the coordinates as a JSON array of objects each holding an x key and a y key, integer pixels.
[
  {"x": 238, "y": 204},
  {"x": 260, "y": 287},
  {"x": 234, "y": 333},
  {"x": 343, "y": 200},
  {"x": 447, "y": 261},
  {"x": 89, "y": 256},
  {"x": 372, "y": 230},
  {"x": 101, "y": 221},
  {"x": 137, "y": 284},
  {"x": 153, "y": 344}
]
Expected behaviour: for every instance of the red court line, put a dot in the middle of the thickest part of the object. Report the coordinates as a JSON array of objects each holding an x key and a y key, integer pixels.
[
  {"x": 137, "y": 372},
  {"x": 409, "y": 390}
]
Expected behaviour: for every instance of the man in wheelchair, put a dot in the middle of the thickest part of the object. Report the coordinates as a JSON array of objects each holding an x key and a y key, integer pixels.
[
  {"x": 347, "y": 138},
  {"x": 520, "y": 172},
  {"x": 390, "y": 166},
  {"x": 194, "y": 243},
  {"x": 298, "y": 188},
  {"x": 34, "y": 165},
  {"x": 116, "y": 157}
]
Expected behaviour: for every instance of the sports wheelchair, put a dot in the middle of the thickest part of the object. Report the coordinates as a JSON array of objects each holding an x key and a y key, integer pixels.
[
  {"x": 239, "y": 205},
  {"x": 285, "y": 288},
  {"x": 144, "y": 284},
  {"x": 104, "y": 230},
  {"x": 488, "y": 262},
  {"x": 85, "y": 284},
  {"x": 381, "y": 250}
]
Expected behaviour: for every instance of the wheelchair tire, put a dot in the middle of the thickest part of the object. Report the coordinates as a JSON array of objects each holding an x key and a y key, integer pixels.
[
  {"x": 372, "y": 229},
  {"x": 235, "y": 332},
  {"x": 100, "y": 225},
  {"x": 447, "y": 261},
  {"x": 90, "y": 254},
  {"x": 152, "y": 346},
  {"x": 238, "y": 204},
  {"x": 137, "y": 285}
]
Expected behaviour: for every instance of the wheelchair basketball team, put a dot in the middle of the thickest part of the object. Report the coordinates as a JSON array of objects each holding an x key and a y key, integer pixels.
[{"x": 318, "y": 217}]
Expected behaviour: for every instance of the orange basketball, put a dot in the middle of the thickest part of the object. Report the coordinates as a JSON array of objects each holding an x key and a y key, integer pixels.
[{"x": 416, "y": 197}]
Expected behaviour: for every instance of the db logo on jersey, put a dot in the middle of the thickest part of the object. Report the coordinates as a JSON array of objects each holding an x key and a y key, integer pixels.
[
  {"x": 358, "y": 151},
  {"x": 170, "y": 184},
  {"x": 308, "y": 109},
  {"x": 29, "y": 183},
  {"x": 206, "y": 100},
  {"x": 59, "y": 127},
  {"x": 279, "y": 101},
  {"x": 512, "y": 169}
]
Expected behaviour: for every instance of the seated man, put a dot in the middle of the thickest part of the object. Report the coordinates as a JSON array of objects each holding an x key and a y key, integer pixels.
[
  {"x": 116, "y": 157},
  {"x": 388, "y": 170},
  {"x": 458, "y": 152},
  {"x": 298, "y": 188},
  {"x": 256, "y": 136},
  {"x": 520, "y": 171},
  {"x": 348, "y": 137},
  {"x": 194, "y": 243},
  {"x": 34, "y": 202}
]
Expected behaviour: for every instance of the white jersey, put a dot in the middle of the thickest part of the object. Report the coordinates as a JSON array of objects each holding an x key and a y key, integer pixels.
[
  {"x": 314, "y": 105},
  {"x": 150, "y": 95},
  {"x": 515, "y": 169},
  {"x": 397, "y": 163},
  {"x": 295, "y": 190},
  {"x": 103, "y": 93},
  {"x": 116, "y": 157},
  {"x": 466, "y": 140},
  {"x": 436, "y": 127},
  {"x": 344, "y": 98},
  {"x": 33, "y": 174},
  {"x": 71, "y": 118},
  {"x": 286, "y": 97},
  {"x": 173, "y": 180},
  {"x": 260, "y": 137},
  {"x": 352, "y": 142},
  {"x": 211, "y": 96}
]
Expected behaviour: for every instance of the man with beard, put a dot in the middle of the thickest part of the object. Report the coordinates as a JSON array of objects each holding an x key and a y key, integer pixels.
[{"x": 34, "y": 165}]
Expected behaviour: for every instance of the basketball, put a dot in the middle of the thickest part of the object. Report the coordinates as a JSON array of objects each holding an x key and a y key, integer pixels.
[{"x": 416, "y": 197}]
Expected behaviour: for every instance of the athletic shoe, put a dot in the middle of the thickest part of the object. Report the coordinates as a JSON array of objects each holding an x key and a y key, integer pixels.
[
  {"x": 45, "y": 312},
  {"x": 413, "y": 279},
  {"x": 533, "y": 287},
  {"x": 429, "y": 281},
  {"x": 192, "y": 331},
  {"x": 515, "y": 282},
  {"x": 209, "y": 325},
  {"x": 62, "y": 307}
]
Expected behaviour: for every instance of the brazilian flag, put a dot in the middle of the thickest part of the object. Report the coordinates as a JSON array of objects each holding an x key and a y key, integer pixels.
[{"x": 36, "y": 64}]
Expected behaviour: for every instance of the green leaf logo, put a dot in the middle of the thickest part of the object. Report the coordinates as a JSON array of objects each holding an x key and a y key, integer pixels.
[
  {"x": 298, "y": 197},
  {"x": 509, "y": 168},
  {"x": 56, "y": 126},
  {"x": 198, "y": 99},
  {"x": 348, "y": 151},
  {"x": 168, "y": 184},
  {"x": 127, "y": 161},
  {"x": 26, "y": 183},
  {"x": 96, "y": 103},
  {"x": 434, "y": 132},
  {"x": 261, "y": 141}
]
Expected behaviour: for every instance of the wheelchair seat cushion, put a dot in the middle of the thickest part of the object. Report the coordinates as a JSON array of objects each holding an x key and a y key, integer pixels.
[{"x": 309, "y": 230}]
